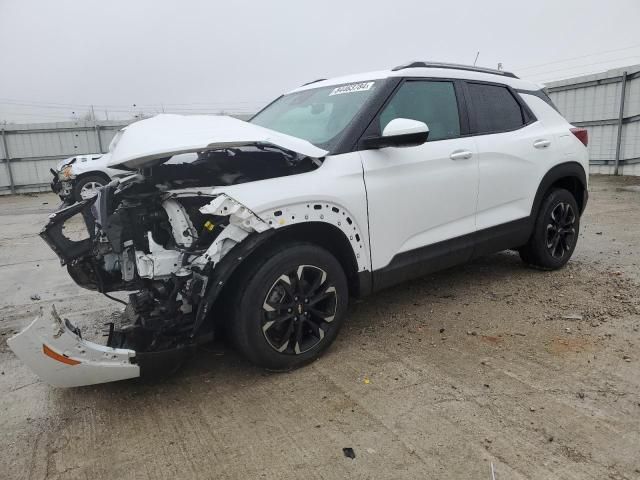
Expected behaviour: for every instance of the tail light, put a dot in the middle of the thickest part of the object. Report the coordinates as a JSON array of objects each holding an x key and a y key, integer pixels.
[{"x": 581, "y": 134}]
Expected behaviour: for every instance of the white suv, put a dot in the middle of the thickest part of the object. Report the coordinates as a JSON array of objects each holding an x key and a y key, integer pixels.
[{"x": 337, "y": 189}]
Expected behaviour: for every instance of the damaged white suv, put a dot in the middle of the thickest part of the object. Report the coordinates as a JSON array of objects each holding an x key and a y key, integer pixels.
[{"x": 335, "y": 190}]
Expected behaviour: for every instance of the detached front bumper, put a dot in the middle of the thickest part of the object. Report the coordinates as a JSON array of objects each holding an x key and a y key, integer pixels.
[{"x": 54, "y": 349}]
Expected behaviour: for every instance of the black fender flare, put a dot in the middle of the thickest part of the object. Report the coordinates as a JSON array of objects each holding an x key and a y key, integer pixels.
[
  {"x": 564, "y": 170},
  {"x": 220, "y": 274}
]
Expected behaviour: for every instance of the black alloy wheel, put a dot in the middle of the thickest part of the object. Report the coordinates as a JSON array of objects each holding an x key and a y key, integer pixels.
[
  {"x": 299, "y": 309},
  {"x": 555, "y": 231},
  {"x": 287, "y": 304},
  {"x": 561, "y": 233}
]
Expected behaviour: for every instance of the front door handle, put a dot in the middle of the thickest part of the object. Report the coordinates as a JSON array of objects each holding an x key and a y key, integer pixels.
[
  {"x": 461, "y": 155},
  {"x": 542, "y": 143}
]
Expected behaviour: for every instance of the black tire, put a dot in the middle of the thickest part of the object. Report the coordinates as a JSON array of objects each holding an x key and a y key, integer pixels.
[
  {"x": 555, "y": 232},
  {"x": 89, "y": 179},
  {"x": 266, "y": 318}
]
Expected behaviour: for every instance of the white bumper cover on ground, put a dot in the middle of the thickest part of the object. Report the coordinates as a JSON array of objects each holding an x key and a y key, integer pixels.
[{"x": 60, "y": 357}]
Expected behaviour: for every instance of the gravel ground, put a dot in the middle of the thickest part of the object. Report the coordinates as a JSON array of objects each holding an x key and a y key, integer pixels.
[{"x": 488, "y": 363}]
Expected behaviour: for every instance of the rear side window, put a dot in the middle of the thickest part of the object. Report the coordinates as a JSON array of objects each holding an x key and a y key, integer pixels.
[
  {"x": 494, "y": 109},
  {"x": 431, "y": 102}
]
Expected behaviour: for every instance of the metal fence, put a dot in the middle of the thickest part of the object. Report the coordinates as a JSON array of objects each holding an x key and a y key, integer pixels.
[
  {"x": 30, "y": 150},
  {"x": 608, "y": 105}
]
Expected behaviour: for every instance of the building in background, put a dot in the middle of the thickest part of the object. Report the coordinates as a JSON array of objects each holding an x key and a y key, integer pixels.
[{"x": 608, "y": 105}]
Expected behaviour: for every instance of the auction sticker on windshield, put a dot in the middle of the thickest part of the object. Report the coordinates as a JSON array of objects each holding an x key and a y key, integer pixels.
[{"x": 352, "y": 87}]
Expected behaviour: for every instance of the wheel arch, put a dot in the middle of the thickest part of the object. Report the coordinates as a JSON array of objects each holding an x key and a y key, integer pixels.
[
  {"x": 570, "y": 176},
  {"x": 93, "y": 173},
  {"x": 324, "y": 235},
  {"x": 226, "y": 273},
  {"x": 324, "y": 224},
  {"x": 329, "y": 237}
]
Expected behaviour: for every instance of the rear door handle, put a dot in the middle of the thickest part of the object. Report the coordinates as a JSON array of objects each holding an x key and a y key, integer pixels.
[
  {"x": 461, "y": 155},
  {"x": 542, "y": 143}
]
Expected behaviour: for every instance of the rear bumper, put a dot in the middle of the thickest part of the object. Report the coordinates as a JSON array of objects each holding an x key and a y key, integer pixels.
[{"x": 55, "y": 351}]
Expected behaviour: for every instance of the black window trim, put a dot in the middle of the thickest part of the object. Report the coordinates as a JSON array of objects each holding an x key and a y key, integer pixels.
[
  {"x": 527, "y": 115},
  {"x": 542, "y": 95},
  {"x": 463, "y": 116}
]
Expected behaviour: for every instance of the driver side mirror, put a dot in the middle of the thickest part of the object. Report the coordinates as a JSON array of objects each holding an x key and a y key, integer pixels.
[{"x": 399, "y": 132}]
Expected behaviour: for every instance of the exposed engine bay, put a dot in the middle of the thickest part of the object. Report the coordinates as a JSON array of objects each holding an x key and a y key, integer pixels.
[{"x": 155, "y": 235}]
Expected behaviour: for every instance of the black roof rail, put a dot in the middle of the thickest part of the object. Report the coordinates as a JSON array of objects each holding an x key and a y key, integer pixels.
[
  {"x": 313, "y": 81},
  {"x": 453, "y": 66}
]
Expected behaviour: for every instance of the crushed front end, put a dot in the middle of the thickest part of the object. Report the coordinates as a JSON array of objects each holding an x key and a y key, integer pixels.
[{"x": 160, "y": 246}]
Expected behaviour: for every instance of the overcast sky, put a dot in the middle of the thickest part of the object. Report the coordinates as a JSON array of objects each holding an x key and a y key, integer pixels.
[{"x": 59, "y": 57}]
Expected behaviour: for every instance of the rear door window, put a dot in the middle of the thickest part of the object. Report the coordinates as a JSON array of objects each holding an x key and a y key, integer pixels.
[{"x": 494, "y": 109}]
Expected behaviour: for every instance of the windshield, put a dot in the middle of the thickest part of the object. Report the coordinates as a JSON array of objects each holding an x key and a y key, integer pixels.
[{"x": 318, "y": 115}]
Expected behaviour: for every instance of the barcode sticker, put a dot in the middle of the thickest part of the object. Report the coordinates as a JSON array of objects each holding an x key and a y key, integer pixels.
[{"x": 352, "y": 87}]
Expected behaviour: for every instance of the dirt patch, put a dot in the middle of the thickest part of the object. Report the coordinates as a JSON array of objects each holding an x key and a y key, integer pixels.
[{"x": 560, "y": 346}]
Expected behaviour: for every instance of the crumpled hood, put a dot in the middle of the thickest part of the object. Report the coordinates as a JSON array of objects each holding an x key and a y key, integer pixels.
[{"x": 148, "y": 142}]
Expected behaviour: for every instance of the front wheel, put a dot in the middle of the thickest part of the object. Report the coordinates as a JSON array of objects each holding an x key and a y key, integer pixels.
[
  {"x": 555, "y": 233},
  {"x": 289, "y": 307},
  {"x": 87, "y": 187}
]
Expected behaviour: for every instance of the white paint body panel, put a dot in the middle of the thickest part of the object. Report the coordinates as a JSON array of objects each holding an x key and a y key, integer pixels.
[
  {"x": 419, "y": 196},
  {"x": 510, "y": 172},
  {"x": 146, "y": 142},
  {"x": 511, "y": 168},
  {"x": 98, "y": 364},
  {"x": 423, "y": 72},
  {"x": 337, "y": 183}
]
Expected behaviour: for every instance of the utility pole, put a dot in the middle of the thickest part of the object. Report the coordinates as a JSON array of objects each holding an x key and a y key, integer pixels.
[
  {"x": 620, "y": 123},
  {"x": 96, "y": 127}
]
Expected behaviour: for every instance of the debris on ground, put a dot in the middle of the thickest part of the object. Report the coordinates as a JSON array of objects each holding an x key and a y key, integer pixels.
[
  {"x": 35, "y": 297},
  {"x": 349, "y": 453}
]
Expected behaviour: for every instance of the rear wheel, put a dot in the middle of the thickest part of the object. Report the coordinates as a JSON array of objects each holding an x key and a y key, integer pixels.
[
  {"x": 555, "y": 232},
  {"x": 289, "y": 308}
]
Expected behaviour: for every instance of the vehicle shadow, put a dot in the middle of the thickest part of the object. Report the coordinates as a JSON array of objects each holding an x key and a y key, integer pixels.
[{"x": 218, "y": 362}]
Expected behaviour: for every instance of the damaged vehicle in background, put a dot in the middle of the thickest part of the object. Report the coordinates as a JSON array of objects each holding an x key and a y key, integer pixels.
[
  {"x": 335, "y": 190},
  {"x": 79, "y": 178}
]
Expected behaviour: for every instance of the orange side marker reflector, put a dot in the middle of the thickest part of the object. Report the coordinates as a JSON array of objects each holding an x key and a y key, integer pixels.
[{"x": 56, "y": 356}]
